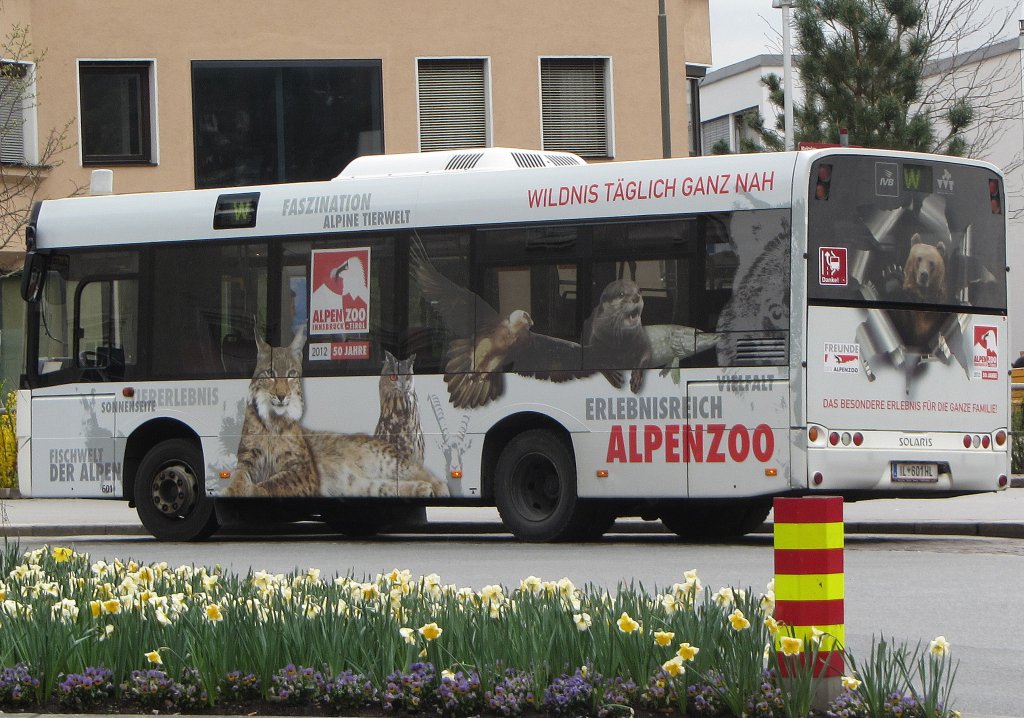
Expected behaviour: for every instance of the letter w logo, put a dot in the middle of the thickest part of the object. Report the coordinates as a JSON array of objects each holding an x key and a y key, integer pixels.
[{"x": 912, "y": 179}]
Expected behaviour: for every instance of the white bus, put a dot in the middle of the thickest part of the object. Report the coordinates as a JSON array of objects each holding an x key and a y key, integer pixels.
[{"x": 674, "y": 339}]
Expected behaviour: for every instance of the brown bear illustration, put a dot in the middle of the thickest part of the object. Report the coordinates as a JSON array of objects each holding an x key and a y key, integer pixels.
[
  {"x": 924, "y": 281},
  {"x": 924, "y": 274}
]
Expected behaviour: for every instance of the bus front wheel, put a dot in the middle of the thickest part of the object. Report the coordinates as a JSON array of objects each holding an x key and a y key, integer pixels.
[
  {"x": 170, "y": 495},
  {"x": 535, "y": 489}
]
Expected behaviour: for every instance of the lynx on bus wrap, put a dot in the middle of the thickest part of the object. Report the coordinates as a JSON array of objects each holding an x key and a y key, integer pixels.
[{"x": 680, "y": 340}]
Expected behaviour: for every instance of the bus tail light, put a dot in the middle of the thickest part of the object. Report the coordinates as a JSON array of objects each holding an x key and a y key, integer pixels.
[
  {"x": 812, "y": 434},
  {"x": 985, "y": 441},
  {"x": 821, "y": 190},
  {"x": 1002, "y": 482},
  {"x": 858, "y": 438},
  {"x": 1000, "y": 437},
  {"x": 833, "y": 438},
  {"x": 818, "y": 478},
  {"x": 967, "y": 441},
  {"x": 994, "y": 196}
]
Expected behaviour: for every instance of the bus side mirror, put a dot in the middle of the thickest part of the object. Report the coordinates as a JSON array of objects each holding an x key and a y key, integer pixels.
[{"x": 32, "y": 277}]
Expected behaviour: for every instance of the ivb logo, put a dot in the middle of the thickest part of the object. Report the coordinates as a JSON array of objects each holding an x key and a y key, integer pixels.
[
  {"x": 832, "y": 266},
  {"x": 886, "y": 176}
]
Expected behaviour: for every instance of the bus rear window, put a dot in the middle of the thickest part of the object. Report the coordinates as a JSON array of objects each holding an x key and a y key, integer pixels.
[{"x": 888, "y": 231}]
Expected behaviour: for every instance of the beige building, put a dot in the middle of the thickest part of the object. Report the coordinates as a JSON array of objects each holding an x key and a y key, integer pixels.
[{"x": 178, "y": 95}]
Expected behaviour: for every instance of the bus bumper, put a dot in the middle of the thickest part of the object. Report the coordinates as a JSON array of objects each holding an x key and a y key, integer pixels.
[{"x": 890, "y": 472}]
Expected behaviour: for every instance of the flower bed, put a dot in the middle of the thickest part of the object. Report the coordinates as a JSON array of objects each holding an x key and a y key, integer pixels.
[{"x": 78, "y": 636}]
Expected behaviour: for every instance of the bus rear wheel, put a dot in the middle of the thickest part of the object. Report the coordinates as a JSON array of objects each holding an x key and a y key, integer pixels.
[
  {"x": 716, "y": 520},
  {"x": 535, "y": 490},
  {"x": 170, "y": 495}
]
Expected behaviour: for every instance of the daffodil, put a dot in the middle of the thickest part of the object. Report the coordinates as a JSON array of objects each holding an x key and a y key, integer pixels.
[
  {"x": 582, "y": 621},
  {"x": 790, "y": 645},
  {"x": 687, "y": 652},
  {"x": 154, "y": 658},
  {"x": 408, "y": 635},
  {"x": 627, "y": 624},
  {"x": 663, "y": 638},
  {"x": 111, "y": 605},
  {"x": 724, "y": 597},
  {"x": 850, "y": 683},
  {"x": 771, "y": 624},
  {"x": 213, "y": 613},
  {"x": 673, "y": 666},
  {"x": 531, "y": 584},
  {"x": 939, "y": 646},
  {"x": 738, "y": 620},
  {"x": 816, "y": 634},
  {"x": 430, "y": 631},
  {"x": 61, "y": 554}
]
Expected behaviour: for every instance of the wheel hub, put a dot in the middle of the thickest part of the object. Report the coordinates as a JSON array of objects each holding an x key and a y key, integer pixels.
[{"x": 175, "y": 490}]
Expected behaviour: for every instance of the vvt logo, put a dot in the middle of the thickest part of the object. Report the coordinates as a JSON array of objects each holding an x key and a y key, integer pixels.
[
  {"x": 945, "y": 182},
  {"x": 885, "y": 179}
]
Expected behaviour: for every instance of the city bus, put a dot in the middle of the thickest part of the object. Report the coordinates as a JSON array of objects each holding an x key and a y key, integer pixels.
[{"x": 679, "y": 340}]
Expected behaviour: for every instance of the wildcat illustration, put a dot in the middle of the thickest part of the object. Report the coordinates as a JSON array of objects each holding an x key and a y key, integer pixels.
[
  {"x": 399, "y": 422},
  {"x": 278, "y": 457},
  {"x": 273, "y": 456}
]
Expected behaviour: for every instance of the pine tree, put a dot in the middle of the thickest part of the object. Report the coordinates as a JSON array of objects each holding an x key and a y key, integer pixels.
[{"x": 862, "y": 65}]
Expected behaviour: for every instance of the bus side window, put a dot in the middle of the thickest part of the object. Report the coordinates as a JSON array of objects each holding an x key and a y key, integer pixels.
[{"x": 425, "y": 334}]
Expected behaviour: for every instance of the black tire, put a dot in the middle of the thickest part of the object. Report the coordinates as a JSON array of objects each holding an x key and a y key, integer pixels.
[
  {"x": 170, "y": 492},
  {"x": 716, "y": 520},
  {"x": 535, "y": 489}
]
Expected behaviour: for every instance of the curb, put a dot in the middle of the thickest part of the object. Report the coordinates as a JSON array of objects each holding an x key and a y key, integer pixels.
[{"x": 1012, "y": 530}]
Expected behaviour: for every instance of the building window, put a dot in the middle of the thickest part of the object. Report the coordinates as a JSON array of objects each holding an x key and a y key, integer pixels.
[
  {"x": 575, "y": 105},
  {"x": 453, "y": 104},
  {"x": 15, "y": 92},
  {"x": 694, "y": 74},
  {"x": 116, "y": 112},
  {"x": 288, "y": 121},
  {"x": 717, "y": 135}
]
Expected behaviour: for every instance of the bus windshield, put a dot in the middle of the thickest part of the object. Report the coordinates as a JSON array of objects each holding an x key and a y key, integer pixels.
[{"x": 906, "y": 231}]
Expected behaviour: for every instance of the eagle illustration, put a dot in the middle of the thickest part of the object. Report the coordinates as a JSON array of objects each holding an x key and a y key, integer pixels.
[{"x": 487, "y": 345}]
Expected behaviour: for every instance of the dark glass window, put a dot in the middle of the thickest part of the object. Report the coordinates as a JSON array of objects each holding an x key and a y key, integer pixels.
[
  {"x": 264, "y": 123},
  {"x": 115, "y": 112},
  {"x": 887, "y": 231},
  {"x": 204, "y": 321},
  {"x": 345, "y": 293}
]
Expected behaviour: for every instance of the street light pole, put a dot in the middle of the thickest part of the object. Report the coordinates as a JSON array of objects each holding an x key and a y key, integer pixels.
[{"x": 787, "y": 70}]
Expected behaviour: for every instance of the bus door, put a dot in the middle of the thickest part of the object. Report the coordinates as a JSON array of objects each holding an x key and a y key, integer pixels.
[
  {"x": 87, "y": 344},
  {"x": 736, "y": 440}
]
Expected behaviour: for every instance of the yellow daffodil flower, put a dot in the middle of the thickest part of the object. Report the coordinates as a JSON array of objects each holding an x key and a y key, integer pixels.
[
  {"x": 154, "y": 658},
  {"x": 61, "y": 554},
  {"x": 738, "y": 620},
  {"x": 850, "y": 683},
  {"x": 673, "y": 666},
  {"x": 663, "y": 638},
  {"x": 790, "y": 645},
  {"x": 687, "y": 652},
  {"x": 939, "y": 647},
  {"x": 430, "y": 631},
  {"x": 213, "y": 613},
  {"x": 408, "y": 635},
  {"x": 111, "y": 605},
  {"x": 627, "y": 624},
  {"x": 771, "y": 624}
]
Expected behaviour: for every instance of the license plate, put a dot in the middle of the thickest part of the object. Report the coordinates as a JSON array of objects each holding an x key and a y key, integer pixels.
[{"x": 913, "y": 473}]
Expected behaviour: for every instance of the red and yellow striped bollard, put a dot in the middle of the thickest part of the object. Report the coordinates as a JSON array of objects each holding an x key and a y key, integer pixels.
[{"x": 809, "y": 579}]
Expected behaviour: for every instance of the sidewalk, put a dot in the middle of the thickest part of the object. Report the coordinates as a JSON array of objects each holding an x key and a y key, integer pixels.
[{"x": 998, "y": 515}]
